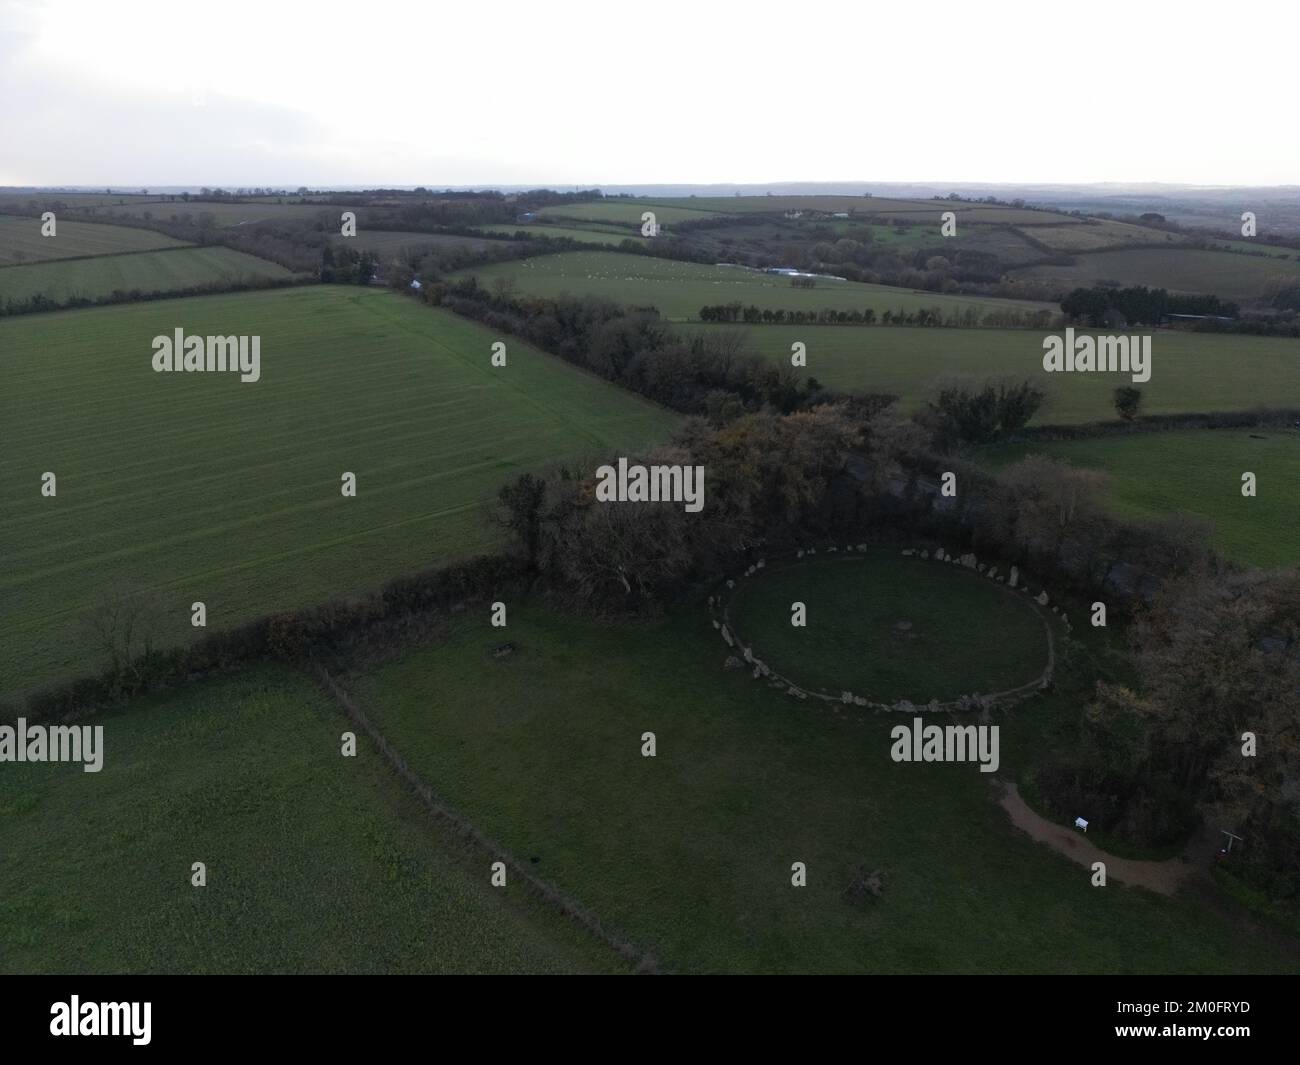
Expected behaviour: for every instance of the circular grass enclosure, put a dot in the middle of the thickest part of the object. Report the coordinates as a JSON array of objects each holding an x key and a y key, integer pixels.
[{"x": 890, "y": 627}]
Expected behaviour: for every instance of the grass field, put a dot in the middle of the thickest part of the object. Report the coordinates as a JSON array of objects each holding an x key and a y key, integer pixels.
[
  {"x": 28, "y": 198},
  {"x": 921, "y": 211},
  {"x": 315, "y": 862},
  {"x": 226, "y": 214},
  {"x": 154, "y": 271},
  {"x": 200, "y": 487},
  {"x": 1197, "y": 472},
  {"x": 626, "y": 212},
  {"x": 390, "y": 244},
  {"x": 891, "y": 628},
  {"x": 587, "y": 236},
  {"x": 1177, "y": 269},
  {"x": 21, "y": 240},
  {"x": 689, "y": 853},
  {"x": 1098, "y": 234},
  {"x": 1255, "y": 248},
  {"x": 680, "y": 289},
  {"x": 1188, "y": 369}
]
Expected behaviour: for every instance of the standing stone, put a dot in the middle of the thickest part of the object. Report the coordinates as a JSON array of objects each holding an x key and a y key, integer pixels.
[{"x": 1015, "y": 576}]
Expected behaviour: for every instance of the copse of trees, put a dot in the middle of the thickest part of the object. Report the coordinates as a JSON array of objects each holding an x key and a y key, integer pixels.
[
  {"x": 709, "y": 375},
  {"x": 768, "y": 479},
  {"x": 1138, "y": 305},
  {"x": 1218, "y": 658},
  {"x": 347, "y": 266},
  {"x": 977, "y": 412}
]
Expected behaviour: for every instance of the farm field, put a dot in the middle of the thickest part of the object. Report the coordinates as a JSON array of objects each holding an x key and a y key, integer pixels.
[
  {"x": 680, "y": 289},
  {"x": 389, "y": 244},
  {"x": 890, "y": 628},
  {"x": 1098, "y": 234},
  {"x": 587, "y": 236},
  {"x": 31, "y": 198},
  {"x": 626, "y": 212},
  {"x": 226, "y": 214},
  {"x": 187, "y": 487},
  {"x": 21, "y": 241},
  {"x": 689, "y": 853},
  {"x": 315, "y": 862},
  {"x": 1178, "y": 269},
  {"x": 907, "y": 210},
  {"x": 1255, "y": 248},
  {"x": 154, "y": 271},
  {"x": 1187, "y": 371},
  {"x": 1195, "y": 472}
]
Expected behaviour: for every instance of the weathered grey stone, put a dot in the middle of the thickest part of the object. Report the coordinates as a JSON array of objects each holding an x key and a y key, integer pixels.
[
  {"x": 731, "y": 583},
  {"x": 846, "y": 697},
  {"x": 800, "y": 555},
  {"x": 858, "y": 700},
  {"x": 925, "y": 554},
  {"x": 726, "y": 635},
  {"x": 1015, "y": 577},
  {"x": 1041, "y": 599},
  {"x": 717, "y": 624},
  {"x": 981, "y": 567},
  {"x": 968, "y": 560}
]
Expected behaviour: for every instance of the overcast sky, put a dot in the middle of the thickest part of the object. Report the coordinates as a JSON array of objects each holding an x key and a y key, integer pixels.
[{"x": 278, "y": 93}]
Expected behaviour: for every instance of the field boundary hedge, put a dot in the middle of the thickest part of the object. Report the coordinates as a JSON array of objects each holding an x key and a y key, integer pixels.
[
  {"x": 1259, "y": 418},
  {"x": 334, "y": 629},
  {"x": 39, "y": 304},
  {"x": 104, "y": 255}
]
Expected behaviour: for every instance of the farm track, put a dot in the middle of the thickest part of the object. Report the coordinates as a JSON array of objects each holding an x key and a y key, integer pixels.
[{"x": 1164, "y": 878}]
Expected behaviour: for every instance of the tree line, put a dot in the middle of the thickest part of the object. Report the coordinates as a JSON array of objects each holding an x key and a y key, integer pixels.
[{"x": 967, "y": 317}]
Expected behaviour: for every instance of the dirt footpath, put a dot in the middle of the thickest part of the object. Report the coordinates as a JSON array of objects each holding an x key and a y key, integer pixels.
[{"x": 1162, "y": 877}]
